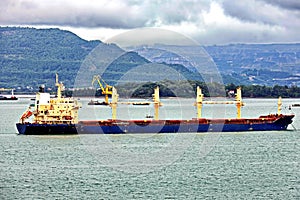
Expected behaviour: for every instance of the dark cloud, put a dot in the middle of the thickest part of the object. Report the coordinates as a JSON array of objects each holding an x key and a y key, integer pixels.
[
  {"x": 287, "y": 4},
  {"x": 251, "y": 11},
  {"x": 263, "y": 12},
  {"x": 113, "y": 14},
  {"x": 211, "y": 21}
]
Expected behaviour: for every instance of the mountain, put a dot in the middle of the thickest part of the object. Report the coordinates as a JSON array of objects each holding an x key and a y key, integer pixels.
[
  {"x": 130, "y": 67},
  {"x": 264, "y": 64},
  {"x": 30, "y": 57},
  {"x": 160, "y": 55}
]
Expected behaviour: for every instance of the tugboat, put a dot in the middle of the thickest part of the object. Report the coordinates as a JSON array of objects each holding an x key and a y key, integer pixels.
[{"x": 60, "y": 116}]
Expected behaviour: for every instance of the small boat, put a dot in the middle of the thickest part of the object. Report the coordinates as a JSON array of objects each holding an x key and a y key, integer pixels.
[
  {"x": 296, "y": 105},
  {"x": 5, "y": 98},
  {"x": 96, "y": 102},
  {"x": 8, "y": 98},
  {"x": 141, "y": 103},
  {"x": 149, "y": 116}
]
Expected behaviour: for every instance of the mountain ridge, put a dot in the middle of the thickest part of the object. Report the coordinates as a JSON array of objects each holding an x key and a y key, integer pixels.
[{"x": 30, "y": 57}]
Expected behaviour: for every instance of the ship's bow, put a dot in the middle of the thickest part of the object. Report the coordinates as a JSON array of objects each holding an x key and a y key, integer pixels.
[{"x": 21, "y": 128}]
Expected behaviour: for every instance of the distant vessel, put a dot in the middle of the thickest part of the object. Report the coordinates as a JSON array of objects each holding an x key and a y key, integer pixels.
[
  {"x": 141, "y": 103},
  {"x": 96, "y": 102},
  {"x": 60, "y": 116},
  {"x": 6, "y": 97}
]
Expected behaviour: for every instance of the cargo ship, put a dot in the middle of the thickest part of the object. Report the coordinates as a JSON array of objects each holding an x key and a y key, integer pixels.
[{"x": 59, "y": 115}]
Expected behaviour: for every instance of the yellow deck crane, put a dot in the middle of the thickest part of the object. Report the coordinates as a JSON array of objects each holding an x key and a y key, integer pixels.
[
  {"x": 106, "y": 89},
  {"x": 238, "y": 102}
]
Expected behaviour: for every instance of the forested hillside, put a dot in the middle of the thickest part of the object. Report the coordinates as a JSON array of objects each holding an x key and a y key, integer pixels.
[{"x": 29, "y": 57}]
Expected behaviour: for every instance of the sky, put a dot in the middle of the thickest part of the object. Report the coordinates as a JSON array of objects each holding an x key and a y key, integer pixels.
[{"x": 208, "y": 22}]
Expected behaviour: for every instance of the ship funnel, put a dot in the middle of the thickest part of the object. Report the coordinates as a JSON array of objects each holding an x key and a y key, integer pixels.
[{"x": 42, "y": 88}]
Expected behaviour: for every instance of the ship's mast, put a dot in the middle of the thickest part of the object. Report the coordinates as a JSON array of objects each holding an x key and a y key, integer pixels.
[
  {"x": 156, "y": 102},
  {"x": 279, "y": 106},
  {"x": 114, "y": 102},
  {"x": 59, "y": 86},
  {"x": 199, "y": 101},
  {"x": 239, "y": 103}
]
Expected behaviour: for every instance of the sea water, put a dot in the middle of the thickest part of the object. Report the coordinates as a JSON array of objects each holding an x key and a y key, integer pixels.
[{"x": 247, "y": 165}]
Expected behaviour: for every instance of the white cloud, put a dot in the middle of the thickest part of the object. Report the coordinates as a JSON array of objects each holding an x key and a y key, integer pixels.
[
  {"x": 77, "y": 13},
  {"x": 208, "y": 21}
]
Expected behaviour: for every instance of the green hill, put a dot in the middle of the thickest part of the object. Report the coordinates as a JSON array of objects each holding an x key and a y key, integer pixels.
[{"x": 29, "y": 56}]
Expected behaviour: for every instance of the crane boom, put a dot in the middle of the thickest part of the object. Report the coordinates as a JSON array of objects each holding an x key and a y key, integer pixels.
[{"x": 106, "y": 90}]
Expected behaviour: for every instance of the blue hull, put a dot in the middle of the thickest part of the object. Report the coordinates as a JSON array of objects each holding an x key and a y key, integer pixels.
[
  {"x": 46, "y": 129},
  {"x": 177, "y": 129},
  {"x": 161, "y": 126}
]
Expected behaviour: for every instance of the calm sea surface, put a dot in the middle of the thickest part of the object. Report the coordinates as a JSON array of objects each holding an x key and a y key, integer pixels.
[{"x": 248, "y": 165}]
